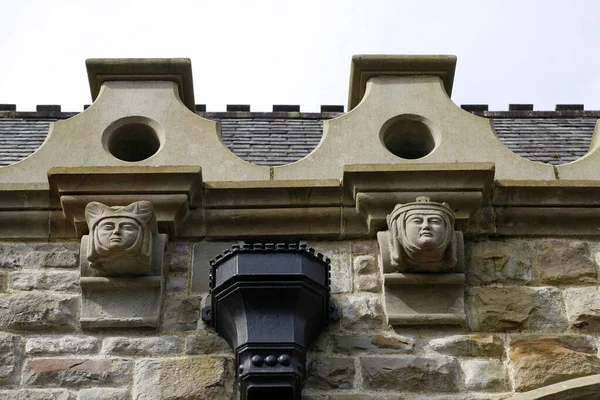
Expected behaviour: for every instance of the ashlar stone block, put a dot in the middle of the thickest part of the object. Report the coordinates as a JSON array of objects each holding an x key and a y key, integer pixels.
[
  {"x": 543, "y": 360},
  {"x": 193, "y": 378},
  {"x": 76, "y": 372},
  {"x": 410, "y": 373}
]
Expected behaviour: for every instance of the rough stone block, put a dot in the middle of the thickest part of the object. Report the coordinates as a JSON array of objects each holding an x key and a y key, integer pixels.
[
  {"x": 330, "y": 373},
  {"x": 181, "y": 313},
  {"x": 76, "y": 372},
  {"x": 543, "y": 360},
  {"x": 366, "y": 274},
  {"x": 178, "y": 257},
  {"x": 468, "y": 345},
  {"x": 372, "y": 344},
  {"x": 583, "y": 307},
  {"x": 207, "y": 343},
  {"x": 69, "y": 344},
  {"x": 360, "y": 396},
  {"x": 410, "y": 373},
  {"x": 515, "y": 307},
  {"x": 39, "y": 255},
  {"x": 362, "y": 313},
  {"x": 177, "y": 285},
  {"x": 340, "y": 254},
  {"x": 191, "y": 378},
  {"x": 55, "y": 281},
  {"x": 368, "y": 247},
  {"x": 38, "y": 311},
  {"x": 485, "y": 376},
  {"x": 369, "y": 283},
  {"x": 37, "y": 394},
  {"x": 141, "y": 346},
  {"x": 499, "y": 261},
  {"x": 564, "y": 261},
  {"x": 103, "y": 394},
  {"x": 10, "y": 358},
  {"x": 365, "y": 265}
]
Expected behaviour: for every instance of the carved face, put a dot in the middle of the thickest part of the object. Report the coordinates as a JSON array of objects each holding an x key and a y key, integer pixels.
[
  {"x": 118, "y": 233},
  {"x": 425, "y": 230}
]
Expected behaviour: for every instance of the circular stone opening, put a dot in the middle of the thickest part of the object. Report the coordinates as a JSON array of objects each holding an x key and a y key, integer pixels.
[
  {"x": 133, "y": 142},
  {"x": 408, "y": 138}
]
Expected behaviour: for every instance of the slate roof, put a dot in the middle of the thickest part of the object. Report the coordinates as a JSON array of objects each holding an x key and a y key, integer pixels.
[{"x": 280, "y": 138}]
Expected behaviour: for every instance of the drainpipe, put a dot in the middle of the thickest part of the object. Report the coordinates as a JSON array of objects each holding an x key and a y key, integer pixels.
[{"x": 269, "y": 302}]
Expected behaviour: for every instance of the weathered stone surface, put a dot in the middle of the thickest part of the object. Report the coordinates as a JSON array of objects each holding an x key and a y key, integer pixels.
[
  {"x": 341, "y": 264},
  {"x": 36, "y": 311},
  {"x": 178, "y": 262},
  {"x": 515, "y": 307},
  {"x": 330, "y": 373},
  {"x": 368, "y": 283},
  {"x": 368, "y": 247},
  {"x": 10, "y": 355},
  {"x": 103, "y": 394},
  {"x": 366, "y": 397},
  {"x": 206, "y": 343},
  {"x": 366, "y": 274},
  {"x": 362, "y": 312},
  {"x": 55, "y": 281},
  {"x": 36, "y": 394},
  {"x": 191, "y": 378},
  {"x": 69, "y": 344},
  {"x": 39, "y": 255},
  {"x": 543, "y": 360},
  {"x": 365, "y": 265},
  {"x": 563, "y": 261},
  {"x": 181, "y": 313},
  {"x": 469, "y": 345},
  {"x": 583, "y": 307},
  {"x": 76, "y": 372},
  {"x": 372, "y": 344},
  {"x": 486, "y": 376},
  {"x": 2, "y": 281},
  {"x": 410, "y": 373},
  {"x": 177, "y": 285},
  {"x": 499, "y": 261},
  {"x": 141, "y": 346}
]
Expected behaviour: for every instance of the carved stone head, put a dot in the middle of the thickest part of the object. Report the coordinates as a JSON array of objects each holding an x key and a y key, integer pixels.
[
  {"x": 422, "y": 236},
  {"x": 120, "y": 240}
]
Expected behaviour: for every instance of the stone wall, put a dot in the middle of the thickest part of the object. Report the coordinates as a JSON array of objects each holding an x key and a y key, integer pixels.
[{"x": 533, "y": 319}]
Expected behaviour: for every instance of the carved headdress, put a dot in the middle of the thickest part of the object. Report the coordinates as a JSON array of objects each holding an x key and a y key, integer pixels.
[
  {"x": 404, "y": 253},
  {"x": 142, "y": 212}
]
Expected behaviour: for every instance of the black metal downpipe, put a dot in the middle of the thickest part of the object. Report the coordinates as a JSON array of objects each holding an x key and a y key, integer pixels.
[{"x": 269, "y": 302}]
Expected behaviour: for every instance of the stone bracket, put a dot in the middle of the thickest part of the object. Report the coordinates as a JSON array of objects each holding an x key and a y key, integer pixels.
[
  {"x": 128, "y": 302},
  {"x": 424, "y": 299}
]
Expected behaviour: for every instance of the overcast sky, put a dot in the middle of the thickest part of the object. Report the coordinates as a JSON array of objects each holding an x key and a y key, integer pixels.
[{"x": 282, "y": 52}]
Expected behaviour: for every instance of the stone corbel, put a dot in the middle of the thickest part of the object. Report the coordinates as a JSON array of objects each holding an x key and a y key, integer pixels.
[
  {"x": 424, "y": 282},
  {"x": 122, "y": 269},
  {"x": 422, "y": 258}
]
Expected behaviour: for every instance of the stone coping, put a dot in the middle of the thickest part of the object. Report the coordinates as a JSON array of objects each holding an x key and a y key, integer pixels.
[
  {"x": 178, "y": 70},
  {"x": 368, "y": 66}
]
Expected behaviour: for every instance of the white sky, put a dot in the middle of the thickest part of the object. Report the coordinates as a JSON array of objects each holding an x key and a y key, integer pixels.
[{"x": 281, "y": 52}]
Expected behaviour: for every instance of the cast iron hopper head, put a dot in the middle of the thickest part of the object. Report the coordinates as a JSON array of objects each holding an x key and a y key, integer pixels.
[{"x": 269, "y": 302}]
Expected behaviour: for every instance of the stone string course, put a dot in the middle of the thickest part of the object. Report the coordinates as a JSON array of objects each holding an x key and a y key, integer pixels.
[{"x": 533, "y": 319}]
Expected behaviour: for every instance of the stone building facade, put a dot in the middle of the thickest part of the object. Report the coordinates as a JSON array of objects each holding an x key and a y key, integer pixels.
[{"x": 509, "y": 308}]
